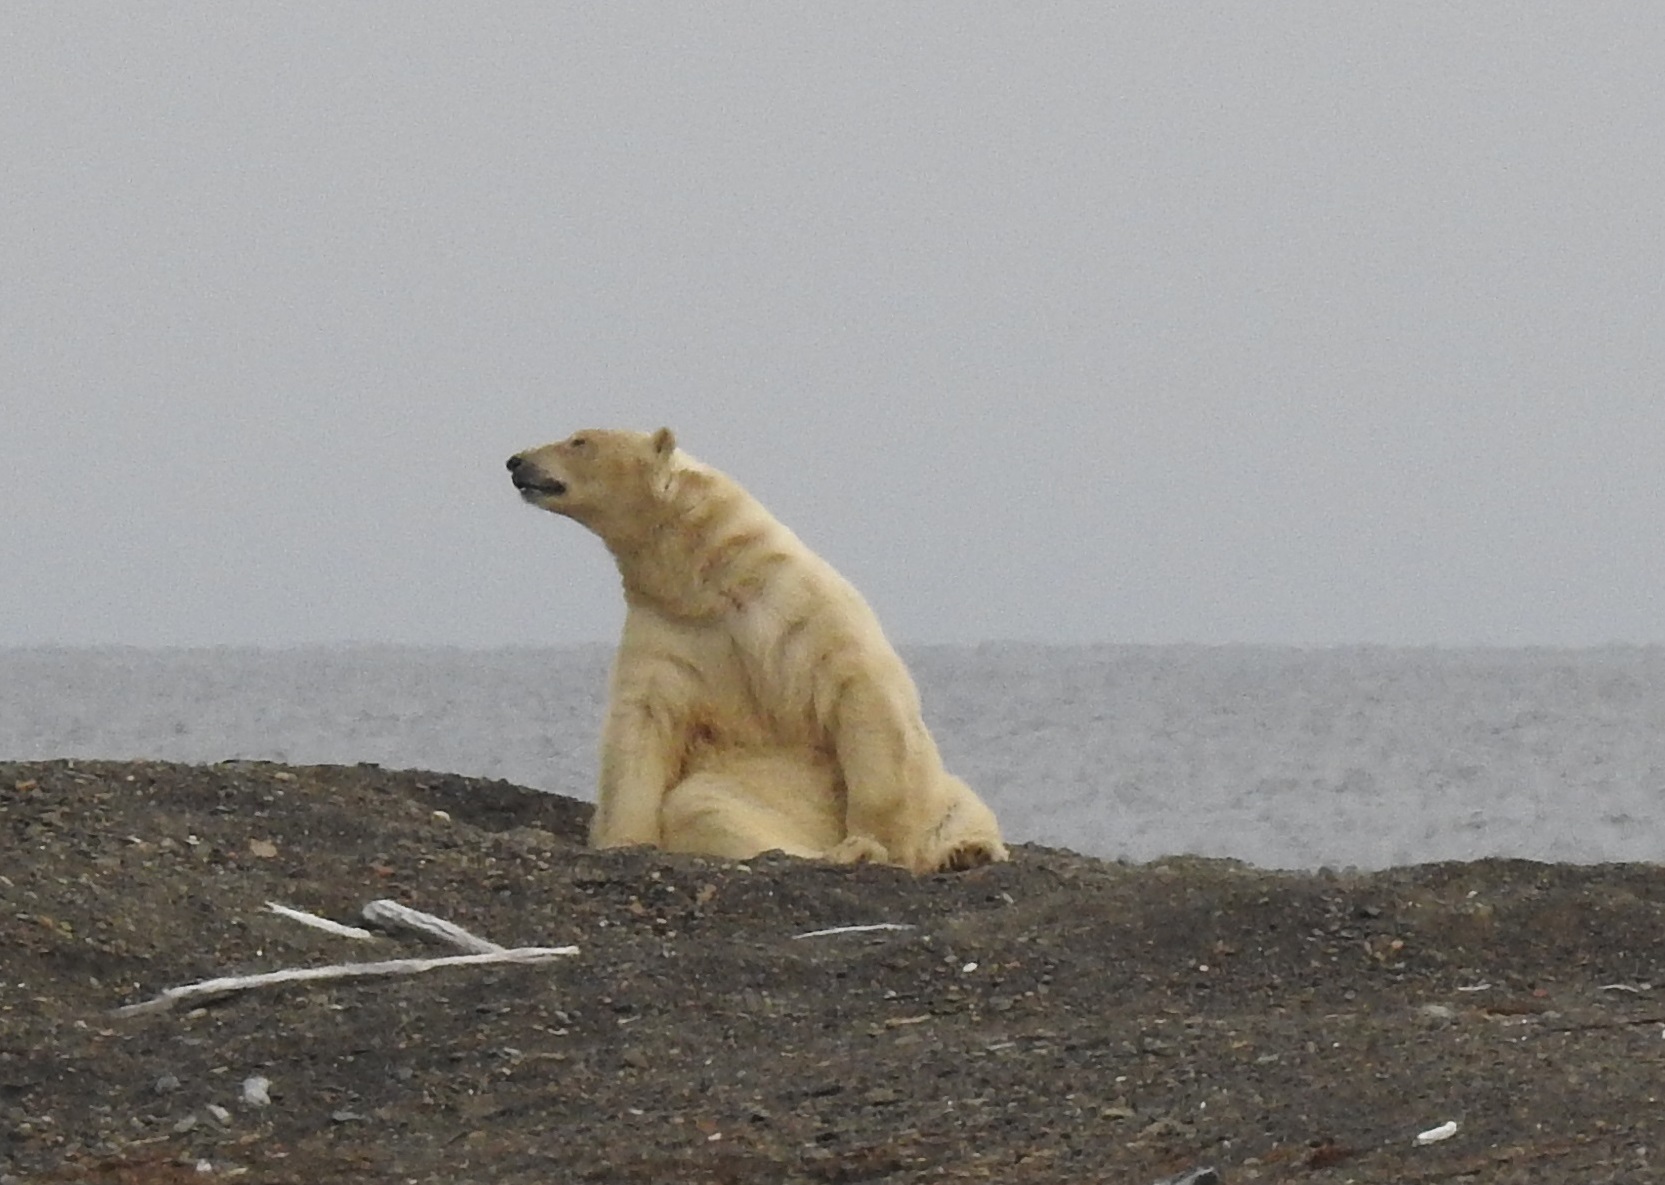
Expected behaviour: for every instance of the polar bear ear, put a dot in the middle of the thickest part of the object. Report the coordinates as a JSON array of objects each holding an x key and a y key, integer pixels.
[{"x": 664, "y": 443}]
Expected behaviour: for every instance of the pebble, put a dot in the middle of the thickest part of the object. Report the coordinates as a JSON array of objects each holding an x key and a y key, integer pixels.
[
  {"x": 1162, "y": 1128},
  {"x": 220, "y": 1114},
  {"x": 1435, "y": 1134},
  {"x": 166, "y": 1084},
  {"x": 256, "y": 1091}
]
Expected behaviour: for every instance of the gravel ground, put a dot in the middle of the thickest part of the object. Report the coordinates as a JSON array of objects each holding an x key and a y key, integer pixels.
[{"x": 1055, "y": 1019}]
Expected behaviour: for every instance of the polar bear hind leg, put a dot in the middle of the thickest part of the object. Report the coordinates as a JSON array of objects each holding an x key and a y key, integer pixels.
[{"x": 741, "y": 805}]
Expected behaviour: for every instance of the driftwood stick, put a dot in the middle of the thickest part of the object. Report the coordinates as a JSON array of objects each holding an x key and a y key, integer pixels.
[
  {"x": 318, "y": 923},
  {"x": 856, "y": 929},
  {"x": 240, "y": 983},
  {"x": 390, "y": 915}
]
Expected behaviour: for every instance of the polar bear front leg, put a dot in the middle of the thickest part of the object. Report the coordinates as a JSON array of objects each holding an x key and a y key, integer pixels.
[
  {"x": 890, "y": 767},
  {"x": 635, "y": 773}
]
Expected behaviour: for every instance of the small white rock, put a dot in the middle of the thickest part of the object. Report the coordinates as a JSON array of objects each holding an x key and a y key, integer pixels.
[
  {"x": 257, "y": 1091},
  {"x": 442, "y": 816},
  {"x": 220, "y": 1114},
  {"x": 1435, "y": 1134}
]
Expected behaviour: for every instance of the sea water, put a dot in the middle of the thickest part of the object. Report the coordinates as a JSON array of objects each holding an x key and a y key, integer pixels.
[{"x": 1286, "y": 758}]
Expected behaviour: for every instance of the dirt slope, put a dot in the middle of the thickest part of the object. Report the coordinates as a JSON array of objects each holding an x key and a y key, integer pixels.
[{"x": 1057, "y": 1019}]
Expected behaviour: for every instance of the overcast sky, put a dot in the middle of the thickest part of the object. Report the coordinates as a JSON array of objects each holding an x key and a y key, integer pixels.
[{"x": 1215, "y": 322}]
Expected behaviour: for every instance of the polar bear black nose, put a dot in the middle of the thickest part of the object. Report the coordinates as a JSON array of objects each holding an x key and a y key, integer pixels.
[{"x": 514, "y": 462}]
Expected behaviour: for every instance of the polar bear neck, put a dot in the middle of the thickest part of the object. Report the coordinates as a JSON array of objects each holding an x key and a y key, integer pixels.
[{"x": 708, "y": 550}]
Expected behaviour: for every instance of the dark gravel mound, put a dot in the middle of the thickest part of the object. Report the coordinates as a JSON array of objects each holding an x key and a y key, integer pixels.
[{"x": 1056, "y": 1019}]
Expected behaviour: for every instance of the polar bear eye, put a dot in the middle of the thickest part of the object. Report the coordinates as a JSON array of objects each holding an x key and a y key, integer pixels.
[{"x": 579, "y": 441}]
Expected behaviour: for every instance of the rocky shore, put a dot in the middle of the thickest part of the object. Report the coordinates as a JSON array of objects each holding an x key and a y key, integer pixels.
[{"x": 1055, "y": 1019}]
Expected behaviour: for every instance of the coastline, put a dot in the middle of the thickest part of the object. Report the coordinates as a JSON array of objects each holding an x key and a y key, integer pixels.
[{"x": 1056, "y": 1018}]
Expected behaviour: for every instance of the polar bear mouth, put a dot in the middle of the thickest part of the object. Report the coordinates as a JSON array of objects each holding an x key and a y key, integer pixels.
[{"x": 535, "y": 489}]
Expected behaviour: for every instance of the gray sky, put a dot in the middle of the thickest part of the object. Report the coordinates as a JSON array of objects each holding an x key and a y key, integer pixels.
[{"x": 1283, "y": 322}]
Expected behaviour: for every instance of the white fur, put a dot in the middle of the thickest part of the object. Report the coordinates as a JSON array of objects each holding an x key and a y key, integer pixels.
[{"x": 755, "y": 701}]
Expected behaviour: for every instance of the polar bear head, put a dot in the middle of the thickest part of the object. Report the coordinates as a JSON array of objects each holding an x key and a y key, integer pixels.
[{"x": 607, "y": 479}]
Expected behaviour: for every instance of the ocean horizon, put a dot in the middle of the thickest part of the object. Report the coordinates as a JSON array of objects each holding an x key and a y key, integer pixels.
[{"x": 1281, "y": 756}]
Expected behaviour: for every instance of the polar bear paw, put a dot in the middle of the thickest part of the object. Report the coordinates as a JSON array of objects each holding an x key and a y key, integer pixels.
[
  {"x": 859, "y": 849},
  {"x": 971, "y": 853}
]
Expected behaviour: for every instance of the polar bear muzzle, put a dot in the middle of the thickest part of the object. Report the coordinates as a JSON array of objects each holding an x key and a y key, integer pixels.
[{"x": 531, "y": 481}]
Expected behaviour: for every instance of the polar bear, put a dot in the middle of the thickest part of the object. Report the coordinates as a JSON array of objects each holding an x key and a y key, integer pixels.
[{"x": 755, "y": 703}]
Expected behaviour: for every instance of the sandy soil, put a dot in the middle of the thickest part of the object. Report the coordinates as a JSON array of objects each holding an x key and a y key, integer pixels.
[{"x": 1057, "y": 1019}]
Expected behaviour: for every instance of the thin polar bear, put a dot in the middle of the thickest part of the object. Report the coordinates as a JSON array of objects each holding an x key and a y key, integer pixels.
[{"x": 755, "y": 703}]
